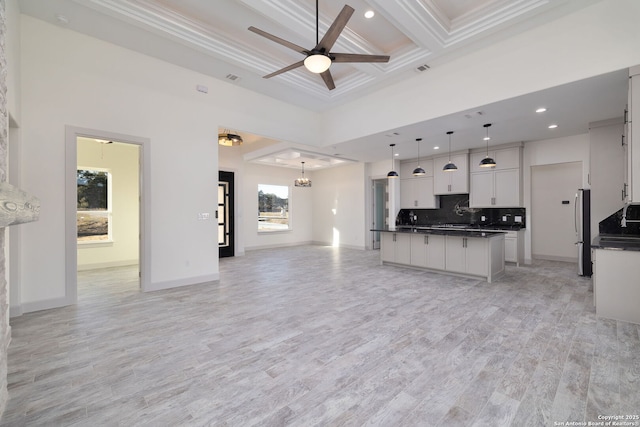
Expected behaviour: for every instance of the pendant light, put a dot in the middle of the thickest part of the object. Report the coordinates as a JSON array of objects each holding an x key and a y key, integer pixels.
[
  {"x": 392, "y": 173},
  {"x": 418, "y": 171},
  {"x": 487, "y": 162},
  {"x": 302, "y": 181},
  {"x": 450, "y": 167}
]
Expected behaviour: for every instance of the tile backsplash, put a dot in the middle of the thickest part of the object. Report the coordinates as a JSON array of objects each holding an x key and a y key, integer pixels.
[{"x": 454, "y": 209}]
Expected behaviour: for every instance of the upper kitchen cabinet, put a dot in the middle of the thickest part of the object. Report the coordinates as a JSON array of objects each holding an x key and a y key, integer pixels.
[
  {"x": 632, "y": 192},
  {"x": 453, "y": 182},
  {"x": 416, "y": 192},
  {"x": 499, "y": 186}
]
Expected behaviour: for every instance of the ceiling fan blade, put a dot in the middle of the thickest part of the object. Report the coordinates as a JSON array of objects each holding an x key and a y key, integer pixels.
[
  {"x": 335, "y": 29},
  {"x": 285, "y": 69},
  {"x": 354, "y": 57},
  {"x": 278, "y": 40},
  {"x": 328, "y": 79}
]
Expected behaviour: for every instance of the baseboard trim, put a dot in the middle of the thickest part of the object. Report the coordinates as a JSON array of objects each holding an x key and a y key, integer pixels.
[
  {"x": 555, "y": 258},
  {"x": 169, "y": 284},
  {"x": 15, "y": 311},
  {"x": 28, "y": 307},
  {"x": 282, "y": 245},
  {"x": 96, "y": 266}
]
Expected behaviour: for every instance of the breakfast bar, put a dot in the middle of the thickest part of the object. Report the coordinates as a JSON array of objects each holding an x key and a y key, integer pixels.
[{"x": 463, "y": 252}]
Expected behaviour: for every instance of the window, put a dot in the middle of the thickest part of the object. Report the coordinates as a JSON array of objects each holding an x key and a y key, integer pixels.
[
  {"x": 93, "y": 214},
  {"x": 273, "y": 208}
]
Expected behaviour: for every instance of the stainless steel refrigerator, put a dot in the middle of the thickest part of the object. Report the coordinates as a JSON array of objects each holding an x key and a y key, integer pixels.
[{"x": 582, "y": 222}]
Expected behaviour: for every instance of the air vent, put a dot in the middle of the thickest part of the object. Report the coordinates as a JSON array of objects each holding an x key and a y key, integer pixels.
[
  {"x": 422, "y": 68},
  {"x": 392, "y": 135},
  {"x": 232, "y": 77}
]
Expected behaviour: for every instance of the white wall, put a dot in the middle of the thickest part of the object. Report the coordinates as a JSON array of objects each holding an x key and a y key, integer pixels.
[
  {"x": 122, "y": 161},
  {"x": 548, "y": 152},
  {"x": 12, "y": 50},
  {"x": 300, "y": 207},
  {"x": 339, "y": 206},
  {"x": 71, "y": 79},
  {"x": 598, "y": 39}
]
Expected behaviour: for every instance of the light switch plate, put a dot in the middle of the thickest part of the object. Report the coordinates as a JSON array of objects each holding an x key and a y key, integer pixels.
[
  {"x": 203, "y": 216},
  {"x": 517, "y": 218}
]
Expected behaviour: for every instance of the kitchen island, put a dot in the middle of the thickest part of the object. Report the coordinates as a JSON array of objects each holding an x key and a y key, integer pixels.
[{"x": 470, "y": 253}]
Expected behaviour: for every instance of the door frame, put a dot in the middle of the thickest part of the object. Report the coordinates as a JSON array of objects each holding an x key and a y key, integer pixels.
[
  {"x": 231, "y": 211},
  {"x": 71, "y": 228}
]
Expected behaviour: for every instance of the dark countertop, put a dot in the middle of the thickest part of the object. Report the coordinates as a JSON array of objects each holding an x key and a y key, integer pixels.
[
  {"x": 616, "y": 242},
  {"x": 503, "y": 227},
  {"x": 443, "y": 231}
]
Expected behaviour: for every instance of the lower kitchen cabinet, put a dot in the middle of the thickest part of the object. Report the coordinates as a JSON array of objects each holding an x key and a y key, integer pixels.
[
  {"x": 472, "y": 256},
  {"x": 467, "y": 255},
  {"x": 514, "y": 247},
  {"x": 395, "y": 247},
  {"x": 428, "y": 250},
  {"x": 615, "y": 284}
]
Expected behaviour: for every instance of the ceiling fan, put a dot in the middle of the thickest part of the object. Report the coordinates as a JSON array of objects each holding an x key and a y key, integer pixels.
[{"x": 319, "y": 59}]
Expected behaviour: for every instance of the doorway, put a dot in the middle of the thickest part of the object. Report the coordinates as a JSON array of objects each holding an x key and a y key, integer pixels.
[
  {"x": 225, "y": 213},
  {"x": 380, "y": 199},
  {"x": 553, "y": 189},
  {"x": 107, "y": 185}
]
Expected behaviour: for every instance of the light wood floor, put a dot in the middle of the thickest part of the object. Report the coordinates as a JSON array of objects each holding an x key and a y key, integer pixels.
[{"x": 323, "y": 336}]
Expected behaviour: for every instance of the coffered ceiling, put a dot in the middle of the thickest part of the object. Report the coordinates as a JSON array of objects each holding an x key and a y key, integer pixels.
[{"x": 212, "y": 36}]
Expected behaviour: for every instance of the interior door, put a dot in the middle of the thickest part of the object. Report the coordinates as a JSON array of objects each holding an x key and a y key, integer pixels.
[{"x": 225, "y": 214}]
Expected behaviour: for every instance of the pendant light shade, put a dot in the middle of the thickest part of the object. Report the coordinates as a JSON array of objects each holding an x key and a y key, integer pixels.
[
  {"x": 418, "y": 171},
  {"x": 487, "y": 162},
  {"x": 392, "y": 173},
  {"x": 302, "y": 181},
  {"x": 450, "y": 167}
]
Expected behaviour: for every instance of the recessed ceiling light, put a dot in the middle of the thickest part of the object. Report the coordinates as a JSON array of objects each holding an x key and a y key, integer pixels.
[
  {"x": 369, "y": 14},
  {"x": 541, "y": 110},
  {"x": 436, "y": 148},
  {"x": 397, "y": 154},
  {"x": 553, "y": 126}
]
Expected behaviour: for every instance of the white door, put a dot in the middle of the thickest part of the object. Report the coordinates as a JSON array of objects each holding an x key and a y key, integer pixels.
[{"x": 553, "y": 189}]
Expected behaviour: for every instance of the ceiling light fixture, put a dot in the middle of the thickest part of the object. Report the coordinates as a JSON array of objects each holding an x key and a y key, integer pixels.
[
  {"x": 369, "y": 14},
  {"x": 302, "y": 181},
  {"x": 541, "y": 110},
  {"x": 418, "y": 171},
  {"x": 317, "y": 63},
  {"x": 450, "y": 167},
  {"x": 229, "y": 139},
  {"x": 553, "y": 126},
  {"x": 487, "y": 162},
  {"x": 392, "y": 173}
]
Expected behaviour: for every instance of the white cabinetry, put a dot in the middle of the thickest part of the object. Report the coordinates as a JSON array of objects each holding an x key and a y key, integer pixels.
[
  {"x": 395, "y": 247},
  {"x": 615, "y": 285},
  {"x": 467, "y": 255},
  {"x": 633, "y": 137},
  {"x": 499, "y": 186},
  {"x": 416, "y": 192},
  {"x": 454, "y": 182},
  {"x": 514, "y": 247},
  {"x": 428, "y": 250}
]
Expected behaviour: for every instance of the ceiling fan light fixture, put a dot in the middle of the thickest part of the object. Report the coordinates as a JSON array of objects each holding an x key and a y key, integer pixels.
[
  {"x": 229, "y": 139},
  {"x": 317, "y": 63}
]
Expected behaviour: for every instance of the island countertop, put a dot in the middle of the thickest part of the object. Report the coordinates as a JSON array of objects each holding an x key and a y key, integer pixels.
[
  {"x": 464, "y": 232},
  {"x": 616, "y": 242}
]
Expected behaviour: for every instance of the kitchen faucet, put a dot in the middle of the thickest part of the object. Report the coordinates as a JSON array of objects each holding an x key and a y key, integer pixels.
[{"x": 624, "y": 221}]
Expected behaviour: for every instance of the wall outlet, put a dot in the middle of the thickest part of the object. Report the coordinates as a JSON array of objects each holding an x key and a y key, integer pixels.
[
  {"x": 504, "y": 218},
  {"x": 517, "y": 218},
  {"x": 483, "y": 218},
  {"x": 203, "y": 216}
]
